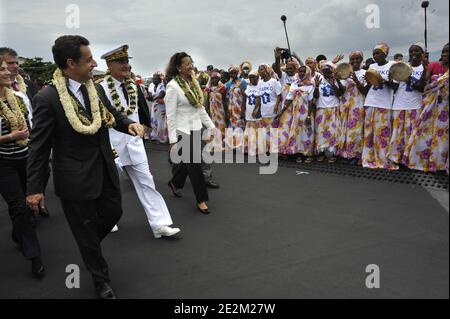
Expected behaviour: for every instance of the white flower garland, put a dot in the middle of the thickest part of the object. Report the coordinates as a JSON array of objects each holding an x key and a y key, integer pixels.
[
  {"x": 132, "y": 95},
  {"x": 14, "y": 115},
  {"x": 71, "y": 107},
  {"x": 21, "y": 83}
]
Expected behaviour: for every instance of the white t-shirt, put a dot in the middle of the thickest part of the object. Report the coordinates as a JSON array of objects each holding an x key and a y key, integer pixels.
[
  {"x": 381, "y": 96},
  {"x": 307, "y": 92},
  {"x": 361, "y": 76},
  {"x": 406, "y": 98},
  {"x": 269, "y": 92},
  {"x": 252, "y": 94},
  {"x": 327, "y": 96}
]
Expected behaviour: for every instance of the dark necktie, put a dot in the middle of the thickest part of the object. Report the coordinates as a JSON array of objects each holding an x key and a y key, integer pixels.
[
  {"x": 87, "y": 103},
  {"x": 124, "y": 90}
]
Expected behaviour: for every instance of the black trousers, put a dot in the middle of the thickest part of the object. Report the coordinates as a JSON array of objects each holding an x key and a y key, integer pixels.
[
  {"x": 91, "y": 221},
  {"x": 194, "y": 170},
  {"x": 13, "y": 178}
]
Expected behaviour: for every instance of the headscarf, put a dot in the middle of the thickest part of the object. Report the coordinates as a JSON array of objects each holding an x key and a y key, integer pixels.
[
  {"x": 313, "y": 60},
  {"x": 308, "y": 79},
  {"x": 356, "y": 52},
  {"x": 234, "y": 68},
  {"x": 203, "y": 77},
  {"x": 294, "y": 63},
  {"x": 254, "y": 72},
  {"x": 383, "y": 47},
  {"x": 246, "y": 63},
  {"x": 160, "y": 75},
  {"x": 215, "y": 74},
  {"x": 327, "y": 64},
  {"x": 268, "y": 69},
  {"x": 420, "y": 45}
]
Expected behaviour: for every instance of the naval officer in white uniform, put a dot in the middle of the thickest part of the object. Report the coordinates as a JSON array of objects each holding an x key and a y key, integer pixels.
[{"x": 126, "y": 97}]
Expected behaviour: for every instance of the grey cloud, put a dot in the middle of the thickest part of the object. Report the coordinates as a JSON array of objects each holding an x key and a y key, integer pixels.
[{"x": 219, "y": 32}]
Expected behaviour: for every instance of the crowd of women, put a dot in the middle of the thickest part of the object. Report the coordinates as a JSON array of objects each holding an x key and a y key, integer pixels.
[{"x": 318, "y": 116}]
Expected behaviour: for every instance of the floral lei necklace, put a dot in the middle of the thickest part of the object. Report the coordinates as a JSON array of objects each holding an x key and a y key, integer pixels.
[
  {"x": 192, "y": 90},
  {"x": 15, "y": 114},
  {"x": 76, "y": 114},
  {"x": 131, "y": 91},
  {"x": 21, "y": 84}
]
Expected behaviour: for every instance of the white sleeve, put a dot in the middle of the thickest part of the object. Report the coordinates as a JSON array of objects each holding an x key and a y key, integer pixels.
[
  {"x": 278, "y": 88},
  {"x": 206, "y": 120},
  {"x": 171, "y": 101}
]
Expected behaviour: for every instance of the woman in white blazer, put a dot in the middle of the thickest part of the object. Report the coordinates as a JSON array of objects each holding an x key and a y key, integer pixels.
[{"x": 186, "y": 115}]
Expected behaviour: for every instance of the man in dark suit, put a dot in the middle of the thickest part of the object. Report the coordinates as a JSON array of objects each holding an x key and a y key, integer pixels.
[{"x": 85, "y": 175}]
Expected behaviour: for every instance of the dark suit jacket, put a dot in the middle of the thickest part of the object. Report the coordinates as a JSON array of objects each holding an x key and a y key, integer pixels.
[
  {"x": 143, "y": 110},
  {"x": 78, "y": 160},
  {"x": 31, "y": 89}
]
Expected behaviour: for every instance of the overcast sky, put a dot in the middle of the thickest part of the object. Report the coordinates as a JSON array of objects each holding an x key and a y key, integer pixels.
[{"x": 219, "y": 32}]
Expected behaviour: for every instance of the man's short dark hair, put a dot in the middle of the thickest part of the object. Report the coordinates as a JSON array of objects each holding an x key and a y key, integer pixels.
[
  {"x": 398, "y": 55},
  {"x": 321, "y": 57},
  {"x": 210, "y": 68},
  {"x": 68, "y": 47},
  {"x": 8, "y": 51}
]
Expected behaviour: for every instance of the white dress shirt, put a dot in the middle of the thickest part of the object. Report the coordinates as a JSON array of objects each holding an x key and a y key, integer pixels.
[
  {"x": 74, "y": 87},
  {"x": 27, "y": 102},
  {"x": 181, "y": 115}
]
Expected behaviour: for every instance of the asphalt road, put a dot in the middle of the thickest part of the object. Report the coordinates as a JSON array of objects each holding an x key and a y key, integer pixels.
[{"x": 279, "y": 236}]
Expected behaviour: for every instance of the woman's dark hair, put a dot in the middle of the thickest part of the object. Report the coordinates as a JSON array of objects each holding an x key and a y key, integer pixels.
[
  {"x": 175, "y": 62},
  {"x": 68, "y": 47}
]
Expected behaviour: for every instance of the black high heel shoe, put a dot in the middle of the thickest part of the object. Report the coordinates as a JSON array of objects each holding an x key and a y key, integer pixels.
[
  {"x": 176, "y": 192},
  {"x": 204, "y": 211}
]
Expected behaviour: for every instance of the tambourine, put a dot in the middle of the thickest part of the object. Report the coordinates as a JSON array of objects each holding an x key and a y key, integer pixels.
[
  {"x": 373, "y": 77},
  {"x": 400, "y": 72},
  {"x": 344, "y": 71}
]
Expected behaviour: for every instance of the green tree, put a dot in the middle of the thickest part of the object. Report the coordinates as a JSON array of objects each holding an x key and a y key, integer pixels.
[{"x": 36, "y": 68}]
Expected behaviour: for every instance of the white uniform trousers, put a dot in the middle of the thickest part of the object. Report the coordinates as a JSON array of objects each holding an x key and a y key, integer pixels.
[{"x": 154, "y": 205}]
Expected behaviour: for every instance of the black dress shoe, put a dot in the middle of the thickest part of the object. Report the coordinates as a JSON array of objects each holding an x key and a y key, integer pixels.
[
  {"x": 176, "y": 192},
  {"x": 204, "y": 211},
  {"x": 43, "y": 212},
  {"x": 212, "y": 185},
  {"x": 37, "y": 268},
  {"x": 104, "y": 291}
]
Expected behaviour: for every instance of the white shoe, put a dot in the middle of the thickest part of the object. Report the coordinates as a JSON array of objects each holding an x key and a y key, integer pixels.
[
  {"x": 115, "y": 229},
  {"x": 165, "y": 231}
]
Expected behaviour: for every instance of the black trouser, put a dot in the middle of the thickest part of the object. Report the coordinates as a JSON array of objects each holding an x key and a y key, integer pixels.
[
  {"x": 13, "y": 178},
  {"x": 194, "y": 170},
  {"x": 91, "y": 221}
]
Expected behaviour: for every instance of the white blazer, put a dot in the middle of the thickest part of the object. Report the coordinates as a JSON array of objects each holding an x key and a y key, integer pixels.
[{"x": 181, "y": 115}]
